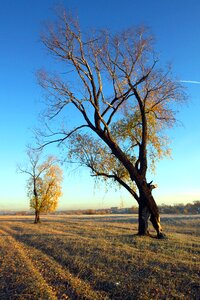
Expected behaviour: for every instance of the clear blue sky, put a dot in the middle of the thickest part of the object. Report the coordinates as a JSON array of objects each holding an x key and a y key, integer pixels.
[{"x": 176, "y": 26}]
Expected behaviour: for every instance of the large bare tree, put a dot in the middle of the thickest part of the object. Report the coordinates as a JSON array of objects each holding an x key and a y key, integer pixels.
[{"x": 123, "y": 98}]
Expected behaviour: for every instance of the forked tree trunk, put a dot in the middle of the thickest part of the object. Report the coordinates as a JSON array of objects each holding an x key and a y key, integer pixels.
[
  {"x": 147, "y": 205},
  {"x": 37, "y": 217}
]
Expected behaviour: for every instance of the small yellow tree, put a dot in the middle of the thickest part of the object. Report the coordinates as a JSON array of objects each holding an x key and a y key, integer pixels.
[
  {"x": 44, "y": 184},
  {"x": 48, "y": 192}
]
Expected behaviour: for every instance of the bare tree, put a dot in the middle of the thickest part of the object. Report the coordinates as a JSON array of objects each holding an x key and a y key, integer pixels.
[
  {"x": 44, "y": 184},
  {"x": 122, "y": 96}
]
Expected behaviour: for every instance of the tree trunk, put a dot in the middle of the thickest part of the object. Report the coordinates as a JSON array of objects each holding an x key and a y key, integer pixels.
[
  {"x": 148, "y": 208},
  {"x": 37, "y": 217},
  {"x": 146, "y": 201},
  {"x": 155, "y": 220},
  {"x": 143, "y": 218}
]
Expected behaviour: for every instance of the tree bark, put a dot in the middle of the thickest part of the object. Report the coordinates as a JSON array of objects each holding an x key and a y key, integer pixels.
[
  {"x": 143, "y": 218},
  {"x": 148, "y": 209},
  {"x": 37, "y": 217}
]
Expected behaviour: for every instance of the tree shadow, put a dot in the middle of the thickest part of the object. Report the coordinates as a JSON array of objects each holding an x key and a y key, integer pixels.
[
  {"x": 27, "y": 235},
  {"x": 110, "y": 219},
  {"x": 70, "y": 261},
  {"x": 3, "y": 220}
]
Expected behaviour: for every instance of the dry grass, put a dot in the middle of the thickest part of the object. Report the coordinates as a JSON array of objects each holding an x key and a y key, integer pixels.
[{"x": 80, "y": 257}]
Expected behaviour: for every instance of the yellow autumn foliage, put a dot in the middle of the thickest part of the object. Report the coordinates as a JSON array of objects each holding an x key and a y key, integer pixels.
[{"x": 48, "y": 186}]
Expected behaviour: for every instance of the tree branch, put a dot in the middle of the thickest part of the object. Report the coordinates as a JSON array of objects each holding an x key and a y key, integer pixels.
[
  {"x": 120, "y": 181},
  {"x": 61, "y": 140}
]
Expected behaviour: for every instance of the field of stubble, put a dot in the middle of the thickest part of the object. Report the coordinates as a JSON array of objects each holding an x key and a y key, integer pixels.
[{"x": 83, "y": 257}]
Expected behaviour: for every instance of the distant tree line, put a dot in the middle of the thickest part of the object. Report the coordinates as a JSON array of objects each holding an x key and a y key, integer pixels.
[{"x": 189, "y": 208}]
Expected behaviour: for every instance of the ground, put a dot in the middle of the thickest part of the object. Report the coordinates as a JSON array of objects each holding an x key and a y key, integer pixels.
[{"x": 98, "y": 257}]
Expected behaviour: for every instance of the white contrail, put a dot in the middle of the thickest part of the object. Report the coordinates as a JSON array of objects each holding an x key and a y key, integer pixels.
[{"x": 190, "y": 81}]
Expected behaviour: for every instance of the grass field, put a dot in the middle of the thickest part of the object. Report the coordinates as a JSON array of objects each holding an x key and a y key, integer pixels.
[{"x": 83, "y": 257}]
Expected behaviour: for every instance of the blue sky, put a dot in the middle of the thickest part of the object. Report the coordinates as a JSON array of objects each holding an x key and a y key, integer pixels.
[{"x": 176, "y": 26}]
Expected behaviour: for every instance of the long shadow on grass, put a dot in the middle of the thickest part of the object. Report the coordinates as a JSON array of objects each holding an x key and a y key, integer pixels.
[
  {"x": 25, "y": 235},
  {"x": 83, "y": 265},
  {"x": 3, "y": 220},
  {"x": 110, "y": 219},
  {"x": 83, "y": 259}
]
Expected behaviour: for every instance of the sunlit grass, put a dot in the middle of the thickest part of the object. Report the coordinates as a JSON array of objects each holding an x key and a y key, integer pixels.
[{"x": 71, "y": 257}]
